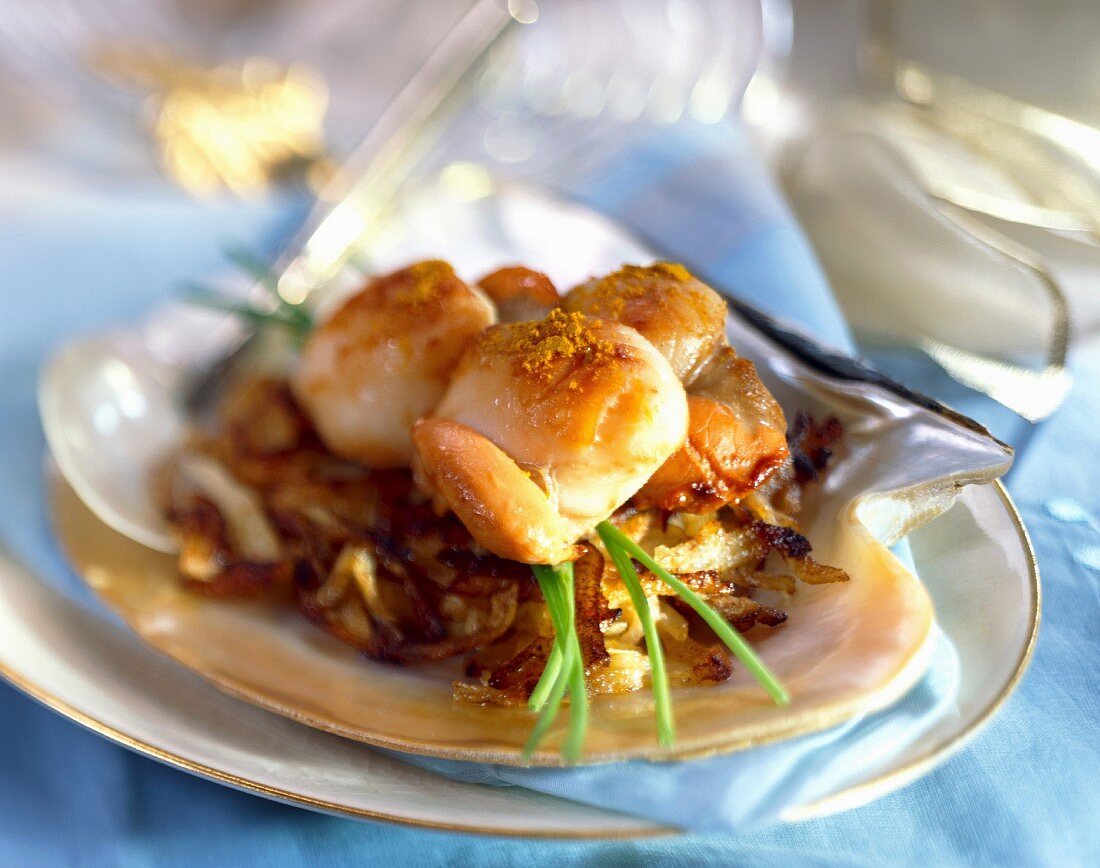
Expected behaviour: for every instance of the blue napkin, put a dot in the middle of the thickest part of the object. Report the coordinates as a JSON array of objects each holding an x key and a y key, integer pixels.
[
  {"x": 1024, "y": 793},
  {"x": 739, "y": 791}
]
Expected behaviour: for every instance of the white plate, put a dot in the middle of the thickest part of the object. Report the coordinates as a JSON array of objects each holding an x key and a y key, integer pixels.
[{"x": 975, "y": 559}]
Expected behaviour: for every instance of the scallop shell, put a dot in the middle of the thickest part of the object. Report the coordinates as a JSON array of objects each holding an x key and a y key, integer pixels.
[{"x": 846, "y": 649}]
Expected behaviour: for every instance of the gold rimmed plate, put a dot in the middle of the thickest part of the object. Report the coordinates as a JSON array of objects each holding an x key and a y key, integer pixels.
[{"x": 102, "y": 677}]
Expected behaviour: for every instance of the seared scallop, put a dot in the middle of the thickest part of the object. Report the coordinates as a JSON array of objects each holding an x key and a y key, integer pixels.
[
  {"x": 736, "y": 433},
  {"x": 736, "y": 439},
  {"x": 384, "y": 358},
  {"x": 520, "y": 293},
  {"x": 546, "y": 429},
  {"x": 682, "y": 317}
]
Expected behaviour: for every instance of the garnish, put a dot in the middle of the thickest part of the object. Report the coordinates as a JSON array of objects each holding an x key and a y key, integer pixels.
[
  {"x": 615, "y": 538},
  {"x": 564, "y": 670},
  {"x": 292, "y": 317},
  {"x": 658, "y": 674},
  {"x": 549, "y": 677},
  {"x": 540, "y": 345},
  {"x": 424, "y": 282},
  {"x": 556, "y": 584},
  {"x": 631, "y": 283}
]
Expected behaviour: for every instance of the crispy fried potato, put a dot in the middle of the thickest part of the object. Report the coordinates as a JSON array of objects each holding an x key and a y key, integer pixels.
[{"x": 263, "y": 509}]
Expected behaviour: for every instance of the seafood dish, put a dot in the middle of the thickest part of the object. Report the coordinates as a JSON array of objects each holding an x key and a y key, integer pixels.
[{"x": 568, "y": 495}]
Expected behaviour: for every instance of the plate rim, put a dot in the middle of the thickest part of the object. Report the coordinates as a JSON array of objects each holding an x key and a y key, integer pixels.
[
  {"x": 863, "y": 793},
  {"x": 849, "y": 798}
]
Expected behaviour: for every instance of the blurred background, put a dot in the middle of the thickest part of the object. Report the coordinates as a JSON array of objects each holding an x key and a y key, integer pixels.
[{"x": 960, "y": 131}]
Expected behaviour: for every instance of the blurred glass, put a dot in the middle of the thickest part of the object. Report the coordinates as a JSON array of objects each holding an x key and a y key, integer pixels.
[
  {"x": 959, "y": 210},
  {"x": 555, "y": 96},
  {"x": 571, "y": 92},
  {"x": 581, "y": 84},
  {"x": 71, "y": 107},
  {"x": 1042, "y": 52}
]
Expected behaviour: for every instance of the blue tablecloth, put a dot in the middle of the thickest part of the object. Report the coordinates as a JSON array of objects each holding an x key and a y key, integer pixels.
[{"x": 1025, "y": 791}]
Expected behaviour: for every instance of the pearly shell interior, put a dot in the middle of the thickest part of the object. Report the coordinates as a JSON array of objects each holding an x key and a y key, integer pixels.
[{"x": 846, "y": 649}]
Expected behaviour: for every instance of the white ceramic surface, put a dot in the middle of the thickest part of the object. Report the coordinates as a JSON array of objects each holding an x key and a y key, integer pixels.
[
  {"x": 101, "y": 676},
  {"x": 109, "y": 413}
]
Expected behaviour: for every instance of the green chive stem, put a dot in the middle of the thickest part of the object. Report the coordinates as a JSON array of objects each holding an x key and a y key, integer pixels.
[
  {"x": 249, "y": 263},
  {"x": 578, "y": 692},
  {"x": 553, "y": 684},
  {"x": 557, "y": 589},
  {"x": 555, "y": 605},
  {"x": 549, "y": 675},
  {"x": 550, "y": 712},
  {"x": 716, "y": 622},
  {"x": 205, "y": 297},
  {"x": 662, "y": 695}
]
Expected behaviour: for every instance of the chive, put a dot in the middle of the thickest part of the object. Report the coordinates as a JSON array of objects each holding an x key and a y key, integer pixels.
[
  {"x": 731, "y": 638},
  {"x": 662, "y": 697},
  {"x": 578, "y": 692},
  {"x": 550, "y": 711},
  {"x": 549, "y": 676},
  {"x": 557, "y": 588},
  {"x": 554, "y": 604},
  {"x": 206, "y": 298},
  {"x": 250, "y": 264},
  {"x": 552, "y": 684}
]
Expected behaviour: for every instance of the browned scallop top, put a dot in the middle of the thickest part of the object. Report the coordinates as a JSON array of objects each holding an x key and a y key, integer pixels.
[
  {"x": 405, "y": 313},
  {"x": 510, "y": 282},
  {"x": 539, "y": 348},
  {"x": 421, "y": 283},
  {"x": 620, "y": 294},
  {"x": 560, "y": 384},
  {"x": 426, "y": 290},
  {"x": 683, "y": 318}
]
